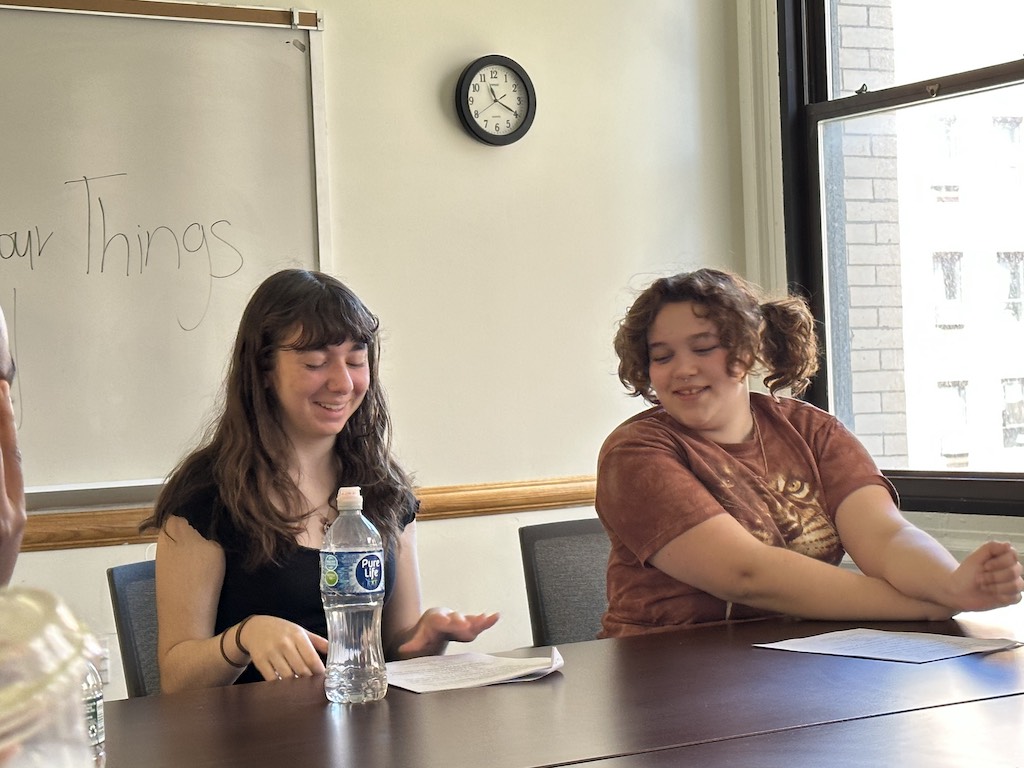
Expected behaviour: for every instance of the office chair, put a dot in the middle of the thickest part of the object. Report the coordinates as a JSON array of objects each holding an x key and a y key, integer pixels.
[
  {"x": 565, "y": 564},
  {"x": 133, "y": 597}
]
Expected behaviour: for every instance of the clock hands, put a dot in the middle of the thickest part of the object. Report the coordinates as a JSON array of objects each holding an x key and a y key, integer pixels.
[
  {"x": 498, "y": 100},
  {"x": 506, "y": 106}
]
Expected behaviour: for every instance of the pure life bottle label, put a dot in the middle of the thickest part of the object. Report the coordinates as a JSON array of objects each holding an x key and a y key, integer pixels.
[{"x": 351, "y": 573}]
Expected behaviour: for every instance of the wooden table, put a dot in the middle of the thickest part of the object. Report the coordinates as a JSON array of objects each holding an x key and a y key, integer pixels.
[
  {"x": 626, "y": 702},
  {"x": 988, "y": 733}
]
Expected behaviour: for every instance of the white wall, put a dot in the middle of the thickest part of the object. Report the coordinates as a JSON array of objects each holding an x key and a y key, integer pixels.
[{"x": 499, "y": 272}]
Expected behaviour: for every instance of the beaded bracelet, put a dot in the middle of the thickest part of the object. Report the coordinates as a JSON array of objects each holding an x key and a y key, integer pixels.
[{"x": 227, "y": 658}]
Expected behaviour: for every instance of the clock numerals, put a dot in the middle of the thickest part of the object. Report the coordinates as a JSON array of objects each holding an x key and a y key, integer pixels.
[{"x": 500, "y": 83}]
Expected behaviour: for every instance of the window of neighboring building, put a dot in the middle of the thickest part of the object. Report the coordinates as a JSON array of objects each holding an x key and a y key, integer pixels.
[
  {"x": 954, "y": 428},
  {"x": 1013, "y": 414},
  {"x": 1012, "y": 283},
  {"x": 1007, "y": 129},
  {"x": 948, "y": 290},
  {"x": 946, "y": 193},
  {"x": 949, "y": 146}
]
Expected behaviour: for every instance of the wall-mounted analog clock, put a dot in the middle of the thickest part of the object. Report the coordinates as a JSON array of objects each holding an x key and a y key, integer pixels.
[{"x": 495, "y": 100}]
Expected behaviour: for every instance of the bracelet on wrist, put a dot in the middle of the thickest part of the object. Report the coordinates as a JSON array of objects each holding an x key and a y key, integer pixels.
[
  {"x": 227, "y": 658},
  {"x": 238, "y": 635}
]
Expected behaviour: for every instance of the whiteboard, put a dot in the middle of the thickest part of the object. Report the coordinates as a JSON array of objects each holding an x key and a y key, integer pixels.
[{"x": 152, "y": 173}]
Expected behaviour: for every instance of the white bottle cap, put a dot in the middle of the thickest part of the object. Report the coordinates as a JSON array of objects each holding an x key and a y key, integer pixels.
[{"x": 350, "y": 497}]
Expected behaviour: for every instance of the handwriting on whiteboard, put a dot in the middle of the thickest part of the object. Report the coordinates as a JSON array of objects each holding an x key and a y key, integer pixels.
[{"x": 202, "y": 248}]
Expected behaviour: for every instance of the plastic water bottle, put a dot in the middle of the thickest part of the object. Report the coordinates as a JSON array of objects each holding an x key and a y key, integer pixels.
[
  {"x": 92, "y": 698},
  {"x": 352, "y": 587},
  {"x": 42, "y": 664}
]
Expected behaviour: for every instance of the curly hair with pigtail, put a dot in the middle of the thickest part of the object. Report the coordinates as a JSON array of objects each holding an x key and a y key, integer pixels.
[{"x": 775, "y": 337}]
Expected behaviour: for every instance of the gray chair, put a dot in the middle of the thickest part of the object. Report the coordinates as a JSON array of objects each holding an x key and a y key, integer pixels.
[
  {"x": 565, "y": 565},
  {"x": 133, "y": 597}
]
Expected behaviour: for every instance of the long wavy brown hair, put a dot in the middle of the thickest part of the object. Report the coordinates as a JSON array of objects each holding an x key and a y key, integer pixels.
[
  {"x": 775, "y": 337},
  {"x": 246, "y": 447}
]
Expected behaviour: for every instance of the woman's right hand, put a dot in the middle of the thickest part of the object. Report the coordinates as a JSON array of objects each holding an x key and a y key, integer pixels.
[{"x": 279, "y": 648}]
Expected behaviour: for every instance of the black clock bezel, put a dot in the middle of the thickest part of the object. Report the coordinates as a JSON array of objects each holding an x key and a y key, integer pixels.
[{"x": 465, "y": 114}]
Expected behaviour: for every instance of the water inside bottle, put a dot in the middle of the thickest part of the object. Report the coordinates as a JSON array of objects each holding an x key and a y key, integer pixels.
[{"x": 355, "y": 665}]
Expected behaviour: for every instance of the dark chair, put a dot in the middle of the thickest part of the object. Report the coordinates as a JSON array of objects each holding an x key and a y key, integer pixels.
[
  {"x": 565, "y": 565},
  {"x": 133, "y": 596}
]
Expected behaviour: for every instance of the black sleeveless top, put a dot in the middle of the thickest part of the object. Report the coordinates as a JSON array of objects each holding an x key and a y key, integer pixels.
[{"x": 289, "y": 589}]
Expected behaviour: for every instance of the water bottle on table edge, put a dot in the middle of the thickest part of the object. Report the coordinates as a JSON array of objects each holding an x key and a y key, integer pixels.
[
  {"x": 92, "y": 699},
  {"x": 43, "y": 663},
  {"x": 352, "y": 588}
]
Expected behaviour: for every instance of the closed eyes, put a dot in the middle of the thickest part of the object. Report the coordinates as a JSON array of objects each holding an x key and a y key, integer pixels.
[{"x": 663, "y": 358}]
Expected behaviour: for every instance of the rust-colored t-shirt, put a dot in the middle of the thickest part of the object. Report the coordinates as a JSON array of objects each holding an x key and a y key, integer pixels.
[{"x": 656, "y": 480}]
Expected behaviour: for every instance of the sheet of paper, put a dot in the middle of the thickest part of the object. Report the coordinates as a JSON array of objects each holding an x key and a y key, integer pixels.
[
  {"x": 913, "y": 647},
  {"x": 468, "y": 670}
]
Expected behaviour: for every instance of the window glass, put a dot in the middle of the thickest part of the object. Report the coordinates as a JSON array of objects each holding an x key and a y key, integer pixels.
[
  {"x": 1013, "y": 284},
  {"x": 1013, "y": 413},
  {"x": 883, "y": 43},
  {"x": 924, "y": 263}
]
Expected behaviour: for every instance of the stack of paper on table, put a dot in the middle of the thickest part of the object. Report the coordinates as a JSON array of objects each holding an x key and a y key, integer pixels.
[
  {"x": 914, "y": 647},
  {"x": 469, "y": 670}
]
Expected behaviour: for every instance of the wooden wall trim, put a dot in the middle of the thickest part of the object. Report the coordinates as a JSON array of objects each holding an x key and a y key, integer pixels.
[
  {"x": 110, "y": 527},
  {"x": 187, "y": 11}
]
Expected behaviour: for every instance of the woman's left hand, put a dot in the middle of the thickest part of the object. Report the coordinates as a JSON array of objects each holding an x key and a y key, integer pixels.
[
  {"x": 990, "y": 577},
  {"x": 438, "y": 626}
]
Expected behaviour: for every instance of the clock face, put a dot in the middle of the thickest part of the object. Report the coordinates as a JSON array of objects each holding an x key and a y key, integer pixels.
[{"x": 495, "y": 100}]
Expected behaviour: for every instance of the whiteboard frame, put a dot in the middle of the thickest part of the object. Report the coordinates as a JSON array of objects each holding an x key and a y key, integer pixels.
[
  {"x": 133, "y": 493},
  {"x": 292, "y": 18}
]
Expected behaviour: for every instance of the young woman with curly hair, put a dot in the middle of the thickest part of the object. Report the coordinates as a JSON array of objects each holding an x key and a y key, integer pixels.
[{"x": 722, "y": 504}]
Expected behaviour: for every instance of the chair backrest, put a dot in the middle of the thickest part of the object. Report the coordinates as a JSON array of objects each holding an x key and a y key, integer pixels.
[
  {"x": 565, "y": 565},
  {"x": 133, "y": 596}
]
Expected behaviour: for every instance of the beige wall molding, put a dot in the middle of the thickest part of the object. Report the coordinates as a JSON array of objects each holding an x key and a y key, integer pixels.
[{"x": 111, "y": 527}]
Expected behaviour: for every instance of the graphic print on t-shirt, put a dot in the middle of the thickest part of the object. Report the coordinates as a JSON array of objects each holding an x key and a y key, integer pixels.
[{"x": 780, "y": 511}]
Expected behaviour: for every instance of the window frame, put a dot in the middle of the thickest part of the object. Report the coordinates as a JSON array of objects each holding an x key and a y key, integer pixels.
[{"x": 803, "y": 85}]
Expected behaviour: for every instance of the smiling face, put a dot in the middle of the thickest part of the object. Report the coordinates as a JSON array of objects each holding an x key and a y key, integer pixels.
[
  {"x": 689, "y": 372},
  {"x": 318, "y": 390}
]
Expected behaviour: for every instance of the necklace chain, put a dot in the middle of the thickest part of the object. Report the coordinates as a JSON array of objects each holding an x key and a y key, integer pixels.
[
  {"x": 760, "y": 442},
  {"x": 325, "y": 520}
]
